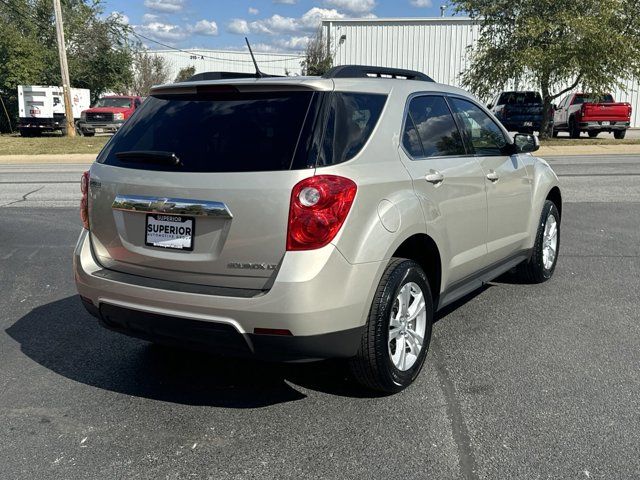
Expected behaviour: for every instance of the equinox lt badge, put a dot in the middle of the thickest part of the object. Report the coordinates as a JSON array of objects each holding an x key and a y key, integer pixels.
[{"x": 252, "y": 266}]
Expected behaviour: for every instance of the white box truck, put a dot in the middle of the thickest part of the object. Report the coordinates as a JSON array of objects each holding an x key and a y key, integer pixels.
[{"x": 42, "y": 108}]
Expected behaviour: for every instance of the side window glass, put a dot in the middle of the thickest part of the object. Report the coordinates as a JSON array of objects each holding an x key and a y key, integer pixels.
[
  {"x": 484, "y": 135},
  {"x": 352, "y": 117},
  {"x": 410, "y": 138},
  {"x": 431, "y": 124}
]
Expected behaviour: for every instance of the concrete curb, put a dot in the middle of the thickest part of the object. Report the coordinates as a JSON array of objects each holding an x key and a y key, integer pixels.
[
  {"x": 44, "y": 159},
  {"x": 567, "y": 150}
]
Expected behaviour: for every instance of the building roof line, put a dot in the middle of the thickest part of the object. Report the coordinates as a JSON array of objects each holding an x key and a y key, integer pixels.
[
  {"x": 464, "y": 20},
  {"x": 195, "y": 51}
]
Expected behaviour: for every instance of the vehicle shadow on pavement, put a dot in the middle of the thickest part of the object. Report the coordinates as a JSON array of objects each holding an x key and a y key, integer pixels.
[{"x": 62, "y": 337}]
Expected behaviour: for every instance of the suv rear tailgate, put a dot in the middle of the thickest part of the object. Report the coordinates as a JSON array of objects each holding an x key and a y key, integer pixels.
[
  {"x": 241, "y": 250},
  {"x": 196, "y": 186}
]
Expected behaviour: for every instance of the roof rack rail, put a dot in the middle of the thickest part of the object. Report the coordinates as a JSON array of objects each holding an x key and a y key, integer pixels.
[
  {"x": 366, "y": 71},
  {"x": 223, "y": 76}
]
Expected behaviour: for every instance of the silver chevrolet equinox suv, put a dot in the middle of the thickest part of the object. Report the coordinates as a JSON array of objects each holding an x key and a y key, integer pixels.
[{"x": 307, "y": 218}]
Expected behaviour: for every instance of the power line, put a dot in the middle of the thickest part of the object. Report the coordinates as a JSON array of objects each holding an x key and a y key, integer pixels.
[
  {"x": 191, "y": 53},
  {"x": 35, "y": 19}
]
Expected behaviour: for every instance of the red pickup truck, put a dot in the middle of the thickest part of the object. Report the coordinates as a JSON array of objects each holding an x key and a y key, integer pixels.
[
  {"x": 583, "y": 112},
  {"x": 108, "y": 114}
]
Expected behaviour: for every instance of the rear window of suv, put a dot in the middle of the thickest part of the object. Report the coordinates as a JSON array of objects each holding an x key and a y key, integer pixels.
[{"x": 247, "y": 132}]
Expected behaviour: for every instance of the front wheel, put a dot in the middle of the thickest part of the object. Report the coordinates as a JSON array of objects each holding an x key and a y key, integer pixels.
[
  {"x": 398, "y": 331},
  {"x": 540, "y": 267}
]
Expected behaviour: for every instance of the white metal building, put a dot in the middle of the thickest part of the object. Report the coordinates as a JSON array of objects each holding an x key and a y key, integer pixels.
[
  {"x": 230, "y": 61},
  {"x": 436, "y": 46}
]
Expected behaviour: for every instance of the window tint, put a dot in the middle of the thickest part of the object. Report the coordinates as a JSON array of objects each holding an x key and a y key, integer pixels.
[
  {"x": 580, "y": 99},
  {"x": 221, "y": 132},
  {"x": 351, "y": 118},
  {"x": 520, "y": 98},
  {"x": 410, "y": 138},
  {"x": 113, "y": 102},
  {"x": 430, "y": 129},
  {"x": 483, "y": 134}
]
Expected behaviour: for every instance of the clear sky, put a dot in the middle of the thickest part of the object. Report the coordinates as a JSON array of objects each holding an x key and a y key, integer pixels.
[{"x": 279, "y": 25}]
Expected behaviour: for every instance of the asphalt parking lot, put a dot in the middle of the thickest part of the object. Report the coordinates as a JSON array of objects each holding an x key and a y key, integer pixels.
[{"x": 521, "y": 381}]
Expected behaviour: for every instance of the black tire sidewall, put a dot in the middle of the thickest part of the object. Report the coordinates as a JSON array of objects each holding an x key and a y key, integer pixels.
[
  {"x": 574, "y": 131},
  {"x": 549, "y": 208},
  {"x": 405, "y": 272}
]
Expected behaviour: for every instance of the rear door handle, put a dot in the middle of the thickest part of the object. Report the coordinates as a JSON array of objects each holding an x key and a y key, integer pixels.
[
  {"x": 434, "y": 177},
  {"x": 493, "y": 176}
]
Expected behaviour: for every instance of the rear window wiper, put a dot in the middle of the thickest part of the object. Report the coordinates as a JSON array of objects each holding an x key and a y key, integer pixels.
[{"x": 150, "y": 156}]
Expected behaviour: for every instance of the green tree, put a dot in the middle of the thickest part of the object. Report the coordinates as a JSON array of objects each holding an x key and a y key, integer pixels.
[
  {"x": 150, "y": 70},
  {"x": 185, "y": 74},
  {"x": 318, "y": 58},
  {"x": 553, "y": 45},
  {"x": 99, "y": 49}
]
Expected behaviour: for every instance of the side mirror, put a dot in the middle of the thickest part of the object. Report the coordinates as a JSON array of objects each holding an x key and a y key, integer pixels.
[
  {"x": 526, "y": 143},
  {"x": 554, "y": 107},
  {"x": 489, "y": 106}
]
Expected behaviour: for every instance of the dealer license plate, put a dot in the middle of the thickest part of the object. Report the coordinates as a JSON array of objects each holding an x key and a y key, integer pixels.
[
  {"x": 99, "y": 130},
  {"x": 528, "y": 124},
  {"x": 170, "y": 231},
  {"x": 606, "y": 124}
]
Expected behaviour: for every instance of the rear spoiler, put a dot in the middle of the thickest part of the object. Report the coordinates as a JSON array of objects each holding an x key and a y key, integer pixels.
[
  {"x": 243, "y": 84},
  {"x": 223, "y": 76}
]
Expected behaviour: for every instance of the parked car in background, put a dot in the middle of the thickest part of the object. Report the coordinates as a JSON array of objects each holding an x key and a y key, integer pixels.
[
  {"x": 108, "y": 114},
  {"x": 518, "y": 111},
  {"x": 297, "y": 219},
  {"x": 585, "y": 112},
  {"x": 41, "y": 108}
]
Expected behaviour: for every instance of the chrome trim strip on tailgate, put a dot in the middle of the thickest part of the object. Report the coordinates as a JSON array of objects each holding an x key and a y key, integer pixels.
[{"x": 172, "y": 206}]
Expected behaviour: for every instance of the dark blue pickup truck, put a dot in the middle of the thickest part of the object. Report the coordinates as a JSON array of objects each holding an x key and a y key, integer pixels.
[{"x": 518, "y": 111}]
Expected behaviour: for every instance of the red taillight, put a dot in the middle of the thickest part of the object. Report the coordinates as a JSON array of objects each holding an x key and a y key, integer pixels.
[
  {"x": 84, "y": 202},
  {"x": 319, "y": 207}
]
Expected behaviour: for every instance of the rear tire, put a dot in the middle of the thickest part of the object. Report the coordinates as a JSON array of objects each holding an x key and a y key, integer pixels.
[
  {"x": 88, "y": 134},
  {"x": 398, "y": 331},
  {"x": 619, "y": 134},
  {"x": 555, "y": 133},
  {"x": 30, "y": 132},
  {"x": 593, "y": 133},
  {"x": 540, "y": 267},
  {"x": 574, "y": 129}
]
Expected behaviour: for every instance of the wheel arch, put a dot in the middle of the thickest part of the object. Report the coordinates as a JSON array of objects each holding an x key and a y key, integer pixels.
[
  {"x": 422, "y": 249},
  {"x": 556, "y": 197}
]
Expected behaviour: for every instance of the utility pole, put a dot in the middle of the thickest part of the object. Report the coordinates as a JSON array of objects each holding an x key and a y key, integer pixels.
[{"x": 64, "y": 68}]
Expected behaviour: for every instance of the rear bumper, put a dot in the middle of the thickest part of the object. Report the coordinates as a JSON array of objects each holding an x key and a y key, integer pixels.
[
  {"x": 223, "y": 339},
  {"x": 320, "y": 298},
  {"x": 598, "y": 126}
]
